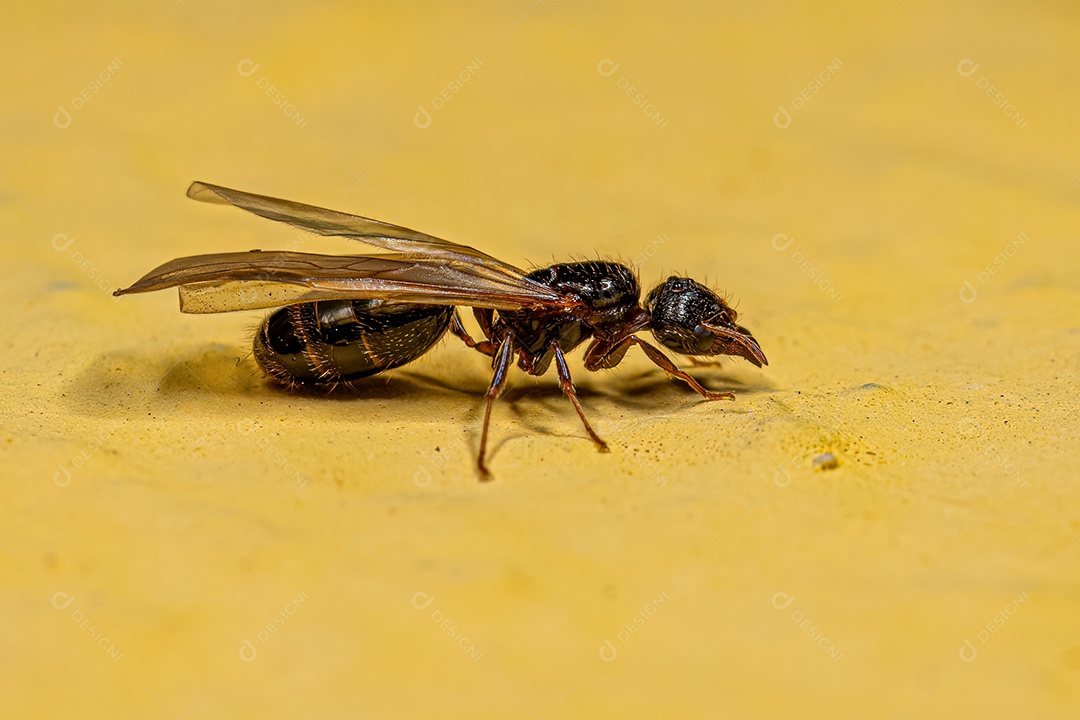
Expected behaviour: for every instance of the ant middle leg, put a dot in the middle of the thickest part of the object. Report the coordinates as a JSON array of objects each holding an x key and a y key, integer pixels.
[
  {"x": 502, "y": 363},
  {"x": 568, "y": 388},
  {"x": 485, "y": 318}
]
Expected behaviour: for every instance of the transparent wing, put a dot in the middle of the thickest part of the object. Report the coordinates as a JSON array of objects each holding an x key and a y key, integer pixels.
[
  {"x": 330, "y": 222},
  {"x": 225, "y": 282}
]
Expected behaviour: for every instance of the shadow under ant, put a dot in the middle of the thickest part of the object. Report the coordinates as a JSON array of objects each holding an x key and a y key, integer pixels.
[{"x": 223, "y": 371}]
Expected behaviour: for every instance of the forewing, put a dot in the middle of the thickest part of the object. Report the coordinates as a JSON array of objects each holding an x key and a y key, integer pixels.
[
  {"x": 226, "y": 282},
  {"x": 331, "y": 222}
]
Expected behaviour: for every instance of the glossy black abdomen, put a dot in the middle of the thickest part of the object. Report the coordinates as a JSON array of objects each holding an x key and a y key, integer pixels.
[{"x": 340, "y": 340}]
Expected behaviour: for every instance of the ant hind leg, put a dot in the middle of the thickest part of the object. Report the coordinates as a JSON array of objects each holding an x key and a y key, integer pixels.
[{"x": 484, "y": 346}]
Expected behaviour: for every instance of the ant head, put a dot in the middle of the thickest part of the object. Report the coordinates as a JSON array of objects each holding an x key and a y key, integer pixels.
[{"x": 691, "y": 319}]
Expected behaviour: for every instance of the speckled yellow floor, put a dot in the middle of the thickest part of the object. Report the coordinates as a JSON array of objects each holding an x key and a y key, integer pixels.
[{"x": 888, "y": 191}]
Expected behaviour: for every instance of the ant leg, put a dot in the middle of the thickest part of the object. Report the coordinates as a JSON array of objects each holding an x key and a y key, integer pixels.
[
  {"x": 484, "y": 318},
  {"x": 604, "y": 356},
  {"x": 670, "y": 368},
  {"x": 484, "y": 346},
  {"x": 703, "y": 363},
  {"x": 502, "y": 364},
  {"x": 568, "y": 388}
]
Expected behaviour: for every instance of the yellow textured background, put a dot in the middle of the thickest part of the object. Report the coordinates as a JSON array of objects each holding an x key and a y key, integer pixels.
[{"x": 180, "y": 539}]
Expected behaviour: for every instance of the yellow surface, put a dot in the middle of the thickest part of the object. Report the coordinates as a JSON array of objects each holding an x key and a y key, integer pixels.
[{"x": 180, "y": 539}]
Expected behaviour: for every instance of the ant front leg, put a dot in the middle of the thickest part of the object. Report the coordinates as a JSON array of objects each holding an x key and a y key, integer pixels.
[
  {"x": 568, "y": 388},
  {"x": 456, "y": 327},
  {"x": 665, "y": 364},
  {"x": 605, "y": 356}
]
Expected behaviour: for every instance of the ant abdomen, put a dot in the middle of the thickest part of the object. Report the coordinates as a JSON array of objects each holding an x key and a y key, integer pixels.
[{"x": 335, "y": 341}]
